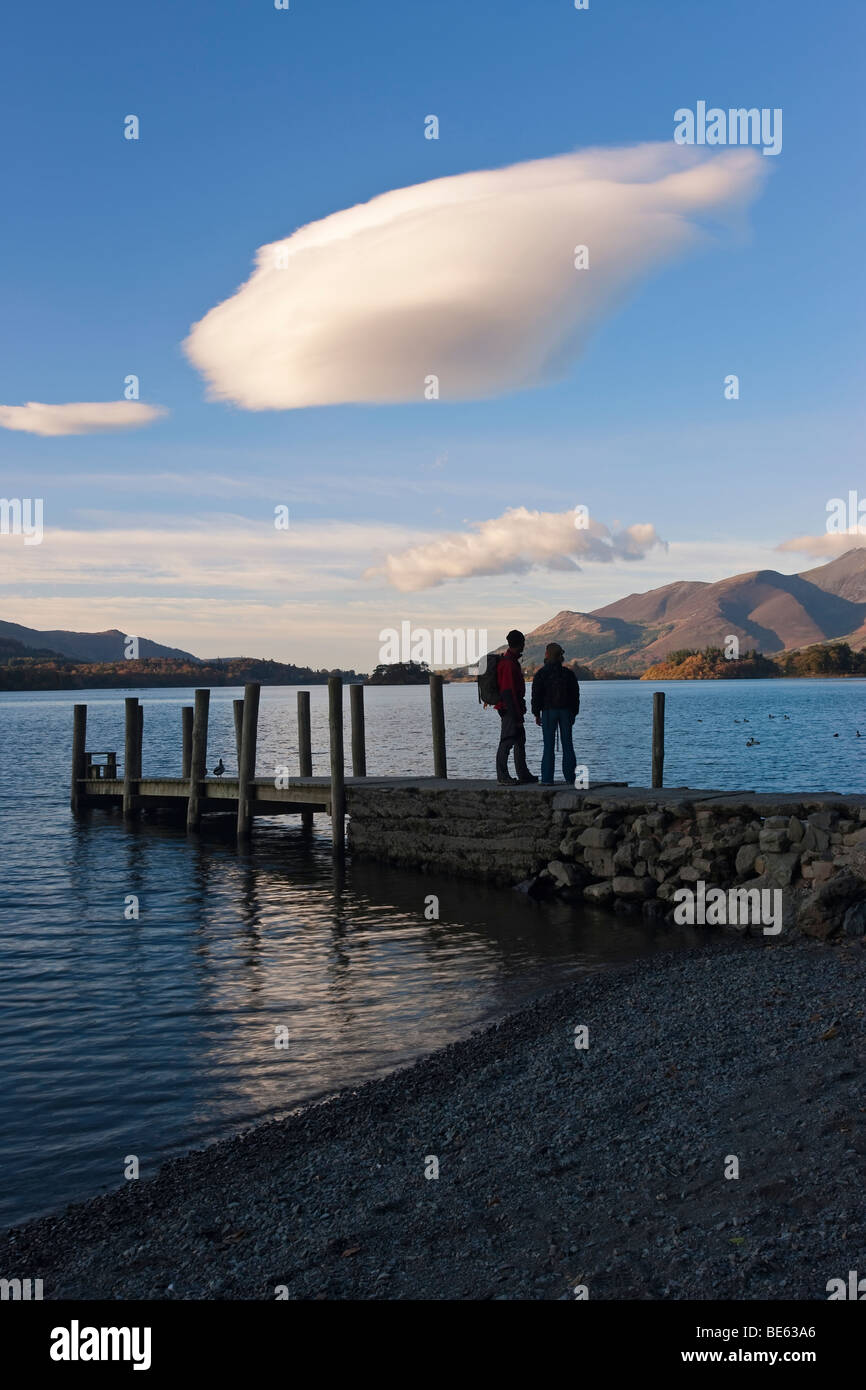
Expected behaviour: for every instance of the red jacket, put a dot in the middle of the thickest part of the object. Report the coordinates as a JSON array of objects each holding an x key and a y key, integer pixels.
[{"x": 509, "y": 676}]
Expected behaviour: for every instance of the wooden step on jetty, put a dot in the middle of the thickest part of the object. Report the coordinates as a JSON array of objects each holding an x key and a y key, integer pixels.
[{"x": 96, "y": 782}]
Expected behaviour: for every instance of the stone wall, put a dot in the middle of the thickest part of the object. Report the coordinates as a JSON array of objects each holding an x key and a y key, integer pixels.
[{"x": 630, "y": 849}]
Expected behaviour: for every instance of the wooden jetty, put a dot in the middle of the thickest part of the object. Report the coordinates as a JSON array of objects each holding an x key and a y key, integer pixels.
[{"x": 97, "y": 783}]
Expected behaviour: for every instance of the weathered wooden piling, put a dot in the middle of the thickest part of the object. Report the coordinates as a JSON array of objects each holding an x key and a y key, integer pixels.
[
  {"x": 305, "y": 740},
  {"x": 186, "y": 718},
  {"x": 247, "y": 763},
  {"x": 338, "y": 773},
  {"x": 658, "y": 738},
  {"x": 132, "y": 756},
  {"x": 437, "y": 710},
  {"x": 238, "y": 707},
  {"x": 198, "y": 767},
  {"x": 305, "y": 748},
  {"x": 359, "y": 741},
  {"x": 79, "y": 745}
]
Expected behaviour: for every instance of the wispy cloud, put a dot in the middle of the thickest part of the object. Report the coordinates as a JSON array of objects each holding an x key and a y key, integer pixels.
[
  {"x": 471, "y": 279},
  {"x": 514, "y": 543},
  {"x": 826, "y": 546},
  {"x": 79, "y": 417},
  {"x": 230, "y": 586}
]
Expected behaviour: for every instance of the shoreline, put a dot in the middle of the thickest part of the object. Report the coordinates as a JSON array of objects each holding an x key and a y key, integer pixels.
[{"x": 558, "y": 1167}]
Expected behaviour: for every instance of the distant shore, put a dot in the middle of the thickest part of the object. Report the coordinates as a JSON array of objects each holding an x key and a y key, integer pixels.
[
  {"x": 606, "y": 1168},
  {"x": 157, "y": 673}
]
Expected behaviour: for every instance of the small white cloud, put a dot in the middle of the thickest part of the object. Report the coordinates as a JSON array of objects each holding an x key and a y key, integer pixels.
[
  {"x": 471, "y": 279},
  {"x": 514, "y": 543},
  {"x": 79, "y": 417},
  {"x": 826, "y": 546}
]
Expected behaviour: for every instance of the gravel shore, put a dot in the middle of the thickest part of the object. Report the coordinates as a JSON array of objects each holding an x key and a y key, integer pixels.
[{"x": 602, "y": 1166}]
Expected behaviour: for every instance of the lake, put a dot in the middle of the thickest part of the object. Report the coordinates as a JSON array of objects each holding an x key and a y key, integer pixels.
[{"x": 152, "y": 1036}]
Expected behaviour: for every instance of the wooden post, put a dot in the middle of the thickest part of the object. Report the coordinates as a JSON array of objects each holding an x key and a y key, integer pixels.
[
  {"x": 186, "y": 717},
  {"x": 305, "y": 743},
  {"x": 198, "y": 764},
  {"x": 131, "y": 757},
  {"x": 79, "y": 744},
  {"x": 359, "y": 744},
  {"x": 238, "y": 706},
  {"x": 139, "y": 753},
  {"x": 338, "y": 776},
  {"x": 305, "y": 748},
  {"x": 247, "y": 764},
  {"x": 658, "y": 738},
  {"x": 437, "y": 710}
]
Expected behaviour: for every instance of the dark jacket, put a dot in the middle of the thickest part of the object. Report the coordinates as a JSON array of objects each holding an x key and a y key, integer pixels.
[
  {"x": 555, "y": 686},
  {"x": 509, "y": 675}
]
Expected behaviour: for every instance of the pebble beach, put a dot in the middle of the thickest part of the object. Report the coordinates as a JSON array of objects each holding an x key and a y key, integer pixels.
[{"x": 707, "y": 1142}]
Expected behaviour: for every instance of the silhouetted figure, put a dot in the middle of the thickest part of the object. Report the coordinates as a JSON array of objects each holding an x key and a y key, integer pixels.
[
  {"x": 511, "y": 707},
  {"x": 219, "y": 769},
  {"x": 555, "y": 704}
]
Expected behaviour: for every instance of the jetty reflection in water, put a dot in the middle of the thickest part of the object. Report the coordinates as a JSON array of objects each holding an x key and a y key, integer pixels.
[{"x": 148, "y": 1036}]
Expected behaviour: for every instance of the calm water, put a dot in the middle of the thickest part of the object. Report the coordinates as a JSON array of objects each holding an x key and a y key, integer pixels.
[{"x": 147, "y": 1037}]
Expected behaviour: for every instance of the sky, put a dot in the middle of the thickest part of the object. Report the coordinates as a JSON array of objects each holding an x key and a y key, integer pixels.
[{"x": 284, "y": 329}]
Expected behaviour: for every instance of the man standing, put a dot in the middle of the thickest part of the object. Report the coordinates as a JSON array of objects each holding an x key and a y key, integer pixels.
[
  {"x": 511, "y": 707},
  {"x": 555, "y": 703}
]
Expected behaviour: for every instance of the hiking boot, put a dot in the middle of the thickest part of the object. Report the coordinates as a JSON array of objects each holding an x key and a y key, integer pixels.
[
  {"x": 507, "y": 781},
  {"x": 529, "y": 778}
]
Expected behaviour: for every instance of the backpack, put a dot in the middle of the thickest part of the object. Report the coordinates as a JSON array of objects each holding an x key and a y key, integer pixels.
[{"x": 488, "y": 680}]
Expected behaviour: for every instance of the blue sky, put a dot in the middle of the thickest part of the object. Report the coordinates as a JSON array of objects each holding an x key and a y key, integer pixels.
[{"x": 255, "y": 122}]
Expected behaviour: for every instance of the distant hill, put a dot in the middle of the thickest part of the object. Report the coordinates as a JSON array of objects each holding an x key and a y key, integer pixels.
[
  {"x": 62, "y": 673},
  {"x": 766, "y": 610},
  {"x": 87, "y": 646},
  {"x": 12, "y": 650}
]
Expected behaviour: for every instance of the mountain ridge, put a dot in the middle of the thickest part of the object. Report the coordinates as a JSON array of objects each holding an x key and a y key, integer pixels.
[
  {"x": 763, "y": 609},
  {"x": 86, "y": 646}
]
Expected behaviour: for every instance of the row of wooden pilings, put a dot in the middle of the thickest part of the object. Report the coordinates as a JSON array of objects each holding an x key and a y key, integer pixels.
[{"x": 194, "y": 733}]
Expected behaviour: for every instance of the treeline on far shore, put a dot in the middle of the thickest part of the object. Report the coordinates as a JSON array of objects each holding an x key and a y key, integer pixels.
[
  {"x": 418, "y": 673},
  {"x": 24, "y": 673},
  {"x": 55, "y": 673},
  {"x": 826, "y": 659}
]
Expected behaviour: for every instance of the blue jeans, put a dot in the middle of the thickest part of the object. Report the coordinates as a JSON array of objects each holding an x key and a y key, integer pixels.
[{"x": 551, "y": 720}]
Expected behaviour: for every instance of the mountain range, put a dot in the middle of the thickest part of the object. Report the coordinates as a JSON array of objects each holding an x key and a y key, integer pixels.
[
  {"x": 79, "y": 646},
  {"x": 765, "y": 610},
  {"x": 768, "y": 611}
]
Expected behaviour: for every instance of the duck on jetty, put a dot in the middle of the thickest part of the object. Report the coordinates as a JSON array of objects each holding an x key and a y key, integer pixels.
[{"x": 219, "y": 769}]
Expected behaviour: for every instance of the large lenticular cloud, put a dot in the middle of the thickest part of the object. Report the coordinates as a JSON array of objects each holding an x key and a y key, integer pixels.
[{"x": 470, "y": 278}]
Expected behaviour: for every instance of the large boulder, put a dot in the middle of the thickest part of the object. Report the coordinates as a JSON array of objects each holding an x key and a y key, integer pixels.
[
  {"x": 781, "y": 869},
  {"x": 774, "y": 840},
  {"x": 597, "y": 838},
  {"x": 599, "y": 893},
  {"x": 824, "y": 910},
  {"x": 626, "y": 886}
]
